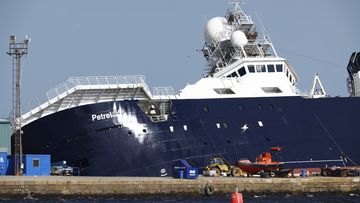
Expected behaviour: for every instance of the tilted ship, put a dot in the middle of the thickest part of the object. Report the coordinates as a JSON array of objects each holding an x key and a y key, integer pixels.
[{"x": 247, "y": 102}]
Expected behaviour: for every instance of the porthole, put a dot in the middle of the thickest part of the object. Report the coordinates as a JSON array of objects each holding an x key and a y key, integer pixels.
[
  {"x": 241, "y": 108},
  {"x": 225, "y": 125},
  {"x": 206, "y": 109}
]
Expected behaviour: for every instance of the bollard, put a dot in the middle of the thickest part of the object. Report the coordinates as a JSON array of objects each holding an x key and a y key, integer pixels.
[{"x": 181, "y": 174}]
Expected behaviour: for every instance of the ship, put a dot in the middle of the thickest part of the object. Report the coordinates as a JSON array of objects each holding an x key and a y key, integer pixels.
[{"x": 247, "y": 102}]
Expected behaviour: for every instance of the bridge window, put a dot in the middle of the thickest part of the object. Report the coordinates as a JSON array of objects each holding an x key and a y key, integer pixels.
[
  {"x": 242, "y": 71},
  {"x": 233, "y": 75},
  {"x": 279, "y": 68},
  {"x": 271, "y": 68},
  {"x": 260, "y": 68},
  {"x": 251, "y": 68}
]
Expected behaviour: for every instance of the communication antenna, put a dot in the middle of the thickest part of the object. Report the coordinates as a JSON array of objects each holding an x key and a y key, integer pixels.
[
  {"x": 237, "y": 3},
  {"x": 17, "y": 50}
]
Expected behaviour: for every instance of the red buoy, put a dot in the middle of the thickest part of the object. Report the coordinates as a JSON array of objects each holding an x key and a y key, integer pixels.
[{"x": 236, "y": 197}]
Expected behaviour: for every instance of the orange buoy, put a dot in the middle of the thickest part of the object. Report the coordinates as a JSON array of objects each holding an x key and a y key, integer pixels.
[{"x": 236, "y": 197}]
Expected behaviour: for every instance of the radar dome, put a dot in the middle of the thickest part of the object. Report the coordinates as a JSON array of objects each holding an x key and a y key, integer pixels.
[
  {"x": 238, "y": 39},
  {"x": 214, "y": 27}
]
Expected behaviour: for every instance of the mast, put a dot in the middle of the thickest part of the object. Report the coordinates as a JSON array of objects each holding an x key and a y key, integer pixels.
[{"x": 17, "y": 50}]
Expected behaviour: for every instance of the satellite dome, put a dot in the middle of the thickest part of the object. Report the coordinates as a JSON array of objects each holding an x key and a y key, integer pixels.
[
  {"x": 238, "y": 39},
  {"x": 214, "y": 27}
]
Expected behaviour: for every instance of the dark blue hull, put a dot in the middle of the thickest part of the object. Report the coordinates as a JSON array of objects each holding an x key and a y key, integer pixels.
[{"x": 306, "y": 129}]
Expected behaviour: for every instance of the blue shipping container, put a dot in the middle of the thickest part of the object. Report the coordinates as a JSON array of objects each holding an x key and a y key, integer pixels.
[{"x": 36, "y": 165}]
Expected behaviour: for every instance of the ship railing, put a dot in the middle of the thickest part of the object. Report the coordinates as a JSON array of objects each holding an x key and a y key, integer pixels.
[
  {"x": 95, "y": 81},
  {"x": 163, "y": 92},
  {"x": 74, "y": 83}
]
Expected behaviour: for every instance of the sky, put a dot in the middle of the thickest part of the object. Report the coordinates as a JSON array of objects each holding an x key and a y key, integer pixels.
[{"x": 161, "y": 38}]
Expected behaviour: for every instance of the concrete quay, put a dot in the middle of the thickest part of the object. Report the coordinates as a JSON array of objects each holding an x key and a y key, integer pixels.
[{"x": 129, "y": 186}]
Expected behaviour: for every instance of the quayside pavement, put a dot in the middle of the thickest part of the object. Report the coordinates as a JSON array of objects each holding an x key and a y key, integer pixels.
[{"x": 118, "y": 186}]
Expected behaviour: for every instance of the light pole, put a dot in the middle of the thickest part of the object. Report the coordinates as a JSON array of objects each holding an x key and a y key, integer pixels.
[{"x": 17, "y": 50}]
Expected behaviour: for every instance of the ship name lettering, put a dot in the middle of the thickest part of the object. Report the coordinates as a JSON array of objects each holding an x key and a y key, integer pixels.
[{"x": 99, "y": 117}]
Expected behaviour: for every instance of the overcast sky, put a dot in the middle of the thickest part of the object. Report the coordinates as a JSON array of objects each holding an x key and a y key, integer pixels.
[{"x": 160, "y": 39}]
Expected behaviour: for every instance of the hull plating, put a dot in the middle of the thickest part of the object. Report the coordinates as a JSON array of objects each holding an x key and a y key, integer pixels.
[{"x": 119, "y": 139}]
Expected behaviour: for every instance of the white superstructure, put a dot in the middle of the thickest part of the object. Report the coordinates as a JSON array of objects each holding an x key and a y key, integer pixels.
[{"x": 241, "y": 63}]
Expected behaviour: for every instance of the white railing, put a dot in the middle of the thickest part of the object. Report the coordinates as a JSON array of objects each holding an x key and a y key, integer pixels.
[
  {"x": 73, "y": 82},
  {"x": 163, "y": 91},
  {"x": 96, "y": 81}
]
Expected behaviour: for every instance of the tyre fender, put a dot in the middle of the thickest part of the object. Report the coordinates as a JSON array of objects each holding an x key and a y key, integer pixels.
[{"x": 209, "y": 189}]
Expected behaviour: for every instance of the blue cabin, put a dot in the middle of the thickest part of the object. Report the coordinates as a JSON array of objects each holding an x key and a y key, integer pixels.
[{"x": 36, "y": 165}]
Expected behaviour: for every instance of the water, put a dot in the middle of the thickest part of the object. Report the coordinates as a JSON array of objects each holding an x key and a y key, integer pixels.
[{"x": 311, "y": 198}]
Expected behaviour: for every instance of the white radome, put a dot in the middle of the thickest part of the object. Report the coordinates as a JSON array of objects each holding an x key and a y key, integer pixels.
[
  {"x": 238, "y": 39},
  {"x": 214, "y": 27}
]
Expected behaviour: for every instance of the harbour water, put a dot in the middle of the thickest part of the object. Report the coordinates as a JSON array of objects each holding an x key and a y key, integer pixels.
[{"x": 311, "y": 198}]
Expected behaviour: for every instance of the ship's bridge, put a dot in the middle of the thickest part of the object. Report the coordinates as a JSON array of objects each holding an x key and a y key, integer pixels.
[
  {"x": 241, "y": 62},
  {"x": 247, "y": 78}
]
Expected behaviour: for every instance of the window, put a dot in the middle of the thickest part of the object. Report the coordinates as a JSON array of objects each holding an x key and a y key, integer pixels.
[
  {"x": 260, "y": 68},
  {"x": 251, "y": 68},
  {"x": 290, "y": 78},
  {"x": 206, "y": 109},
  {"x": 271, "y": 89},
  {"x": 224, "y": 91},
  {"x": 279, "y": 68},
  {"x": 242, "y": 71},
  {"x": 271, "y": 68},
  {"x": 234, "y": 75},
  {"x": 225, "y": 125},
  {"x": 35, "y": 162}
]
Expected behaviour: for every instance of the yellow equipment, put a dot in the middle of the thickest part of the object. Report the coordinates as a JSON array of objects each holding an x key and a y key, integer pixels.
[{"x": 220, "y": 165}]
